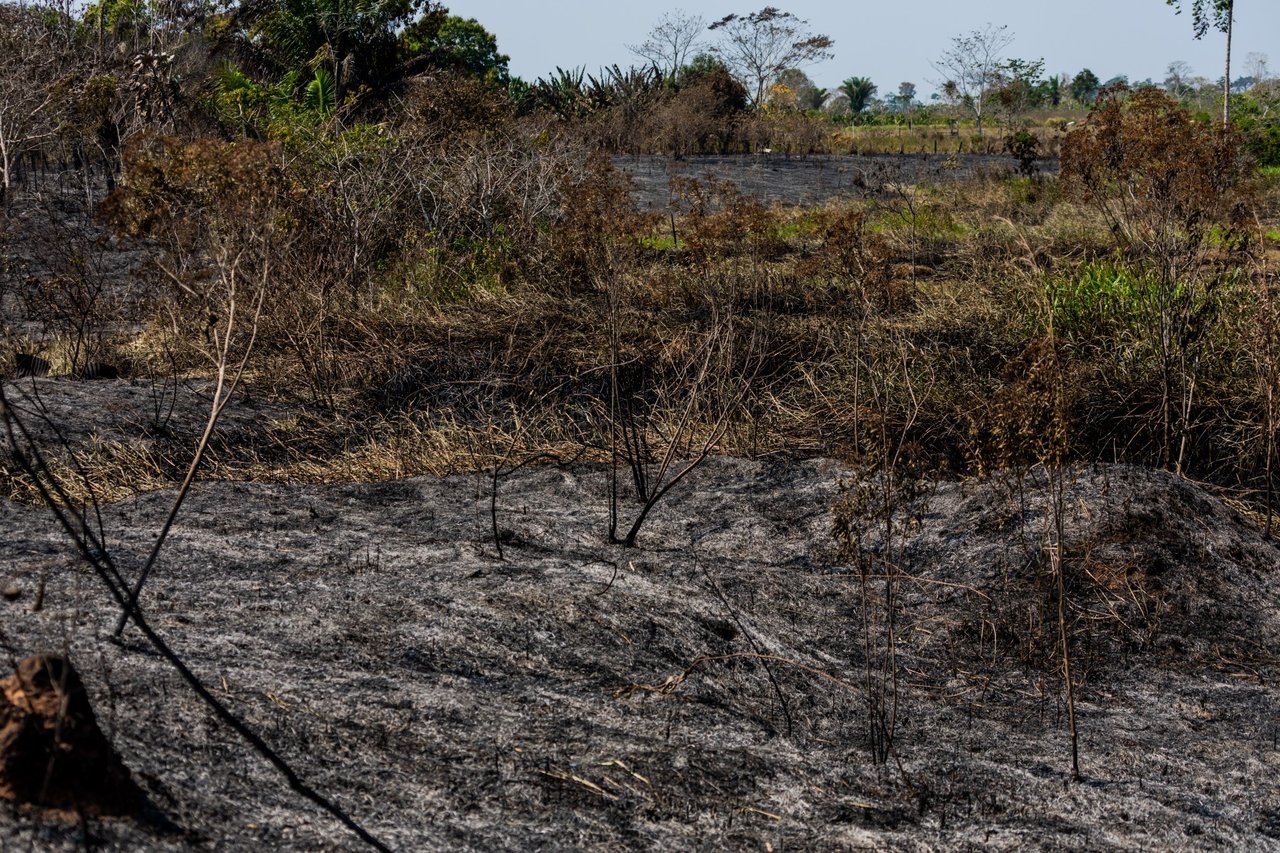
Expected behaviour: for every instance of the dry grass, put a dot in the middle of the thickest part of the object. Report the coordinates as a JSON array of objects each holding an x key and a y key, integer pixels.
[{"x": 399, "y": 377}]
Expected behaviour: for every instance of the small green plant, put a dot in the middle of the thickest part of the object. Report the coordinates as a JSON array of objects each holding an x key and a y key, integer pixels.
[
  {"x": 1024, "y": 146},
  {"x": 1100, "y": 299}
]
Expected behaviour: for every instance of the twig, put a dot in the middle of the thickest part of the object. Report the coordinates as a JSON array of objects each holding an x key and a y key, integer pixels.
[
  {"x": 93, "y": 552},
  {"x": 733, "y": 614}
]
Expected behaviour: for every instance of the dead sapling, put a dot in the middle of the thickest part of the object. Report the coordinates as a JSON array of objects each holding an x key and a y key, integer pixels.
[{"x": 704, "y": 398}]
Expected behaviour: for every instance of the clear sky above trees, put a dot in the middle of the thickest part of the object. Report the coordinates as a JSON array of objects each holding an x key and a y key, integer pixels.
[{"x": 891, "y": 42}]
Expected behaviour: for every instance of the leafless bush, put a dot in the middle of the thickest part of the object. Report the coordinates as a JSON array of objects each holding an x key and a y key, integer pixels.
[
  {"x": 664, "y": 415},
  {"x": 73, "y": 291}
]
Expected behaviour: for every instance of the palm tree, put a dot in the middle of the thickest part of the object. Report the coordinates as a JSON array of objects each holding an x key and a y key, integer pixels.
[
  {"x": 355, "y": 41},
  {"x": 859, "y": 91}
]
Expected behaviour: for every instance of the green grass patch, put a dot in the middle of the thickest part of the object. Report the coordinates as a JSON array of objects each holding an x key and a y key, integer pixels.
[
  {"x": 658, "y": 242},
  {"x": 803, "y": 226}
]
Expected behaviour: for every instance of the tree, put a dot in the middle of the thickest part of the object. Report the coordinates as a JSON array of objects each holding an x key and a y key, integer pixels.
[
  {"x": 1085, "y": 86},
  {"x": 969, "y": 66},
  {"x": 462, "y": 44},
  {"x": 760, "y": 46},
  {"x": 1017, "y": 87},
  {"x": 1177, "y": 79},
  {"x": 795, "y": 91},
  {"x": 707, "y": 71},
  {"x": 837, "y": 106},
  {"x": 1255, "y": 66},
  {"x": 859, "y": 91},
  {"x": 1220, "y": 15},
  {"x": 357, "y": 43},
  {"x": 1049, "y": 90},
  {"x": 905, "y": 101},
  {"x": 671, "y": 42}
]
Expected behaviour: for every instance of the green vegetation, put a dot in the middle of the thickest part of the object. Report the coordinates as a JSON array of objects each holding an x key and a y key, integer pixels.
[{"x": 407, "y": 208}]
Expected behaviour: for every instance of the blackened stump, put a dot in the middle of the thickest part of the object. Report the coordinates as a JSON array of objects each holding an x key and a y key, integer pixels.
[{"x": 52, "y": 753}]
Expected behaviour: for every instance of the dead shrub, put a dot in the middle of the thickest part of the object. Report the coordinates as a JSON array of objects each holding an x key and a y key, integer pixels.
[{"x": 722, "y": 222}]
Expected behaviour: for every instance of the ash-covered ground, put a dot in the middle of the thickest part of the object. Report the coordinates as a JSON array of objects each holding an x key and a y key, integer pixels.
[
  {"x": 708, "y": 689},
  {"x": 812, "y": 179}
]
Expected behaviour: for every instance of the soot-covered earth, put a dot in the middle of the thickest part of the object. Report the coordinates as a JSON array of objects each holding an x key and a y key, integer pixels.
[{"x": 717, "y": 686}]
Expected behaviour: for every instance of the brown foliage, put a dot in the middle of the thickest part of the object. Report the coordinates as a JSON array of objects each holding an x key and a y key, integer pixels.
[
  {"x": 1159, "y": 177},
  {"x": 599, "y": 227},
  {"x": 181, "y": 189}
]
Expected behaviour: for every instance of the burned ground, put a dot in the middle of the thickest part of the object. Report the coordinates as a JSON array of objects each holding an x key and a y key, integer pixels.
[
  {"x": 818, "y": 178},
  {"x": 704, "y": 689}
]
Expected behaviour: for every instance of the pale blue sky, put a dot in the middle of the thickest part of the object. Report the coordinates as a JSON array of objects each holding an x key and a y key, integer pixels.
[{"x": 895, "y": 41}]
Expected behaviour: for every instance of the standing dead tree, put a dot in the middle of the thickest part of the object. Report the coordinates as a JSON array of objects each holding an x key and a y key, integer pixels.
[
  {"x": 759, "y": 46},
  {"x": 671, "y": 42},
  {"x": 969, "y": 67}
]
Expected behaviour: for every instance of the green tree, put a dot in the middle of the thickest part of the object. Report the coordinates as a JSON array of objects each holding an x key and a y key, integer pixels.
[
  {"x": 1049, "y": 90},
  {"x": 462, "y": 44},
  {"x": 1017, "y": 87},
  {"x": 1218, "y": 15},
  {"x": 708, "y": 71},
  {"x": 1085, "y": 86},
  {"x": 760, "y": 46},
  {"x": 797, "y": 92},
  {"x": 859, "y": 91},
  {"x": 357, "y": 43}
]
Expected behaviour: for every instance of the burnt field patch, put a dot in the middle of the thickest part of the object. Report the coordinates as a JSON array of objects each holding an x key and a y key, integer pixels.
[{"x": 708, "y": 687}]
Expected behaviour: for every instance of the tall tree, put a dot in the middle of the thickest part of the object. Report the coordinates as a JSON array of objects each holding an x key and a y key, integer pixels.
[
  {"x": 795, "y": 91},
  {"x": 1255, "y": 66},
  {"x": 1218, "y": 15},
  {"x": 1018, "y": 87},
  {"x": 760, "y": 46},
  {"x": 969, "y": 66},
  {"x": 859, "y": 91},
  {"x": 1085, "y": 86},
  {"x": 1177, "y": 79},
  {"x": 462, "y": 44},
  {"x": 357, "y": 42},
  {"x": 905, "y": 101},
  {"x": 671, "y": 42}
]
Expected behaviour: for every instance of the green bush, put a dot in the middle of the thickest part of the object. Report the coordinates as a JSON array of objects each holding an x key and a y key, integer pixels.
[{"x": 1264, "y": 144}]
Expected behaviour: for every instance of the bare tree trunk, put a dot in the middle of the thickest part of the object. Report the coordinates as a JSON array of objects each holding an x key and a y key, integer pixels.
[
  {"x": 5, "y": 171},
  {"x": 1226, "y": 76}
]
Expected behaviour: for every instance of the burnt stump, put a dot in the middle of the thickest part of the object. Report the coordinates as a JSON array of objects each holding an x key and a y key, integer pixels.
[{"x": 52, "y": 752}]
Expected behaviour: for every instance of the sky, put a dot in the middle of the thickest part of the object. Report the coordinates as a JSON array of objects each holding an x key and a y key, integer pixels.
[{"x": 896, "y": 41}]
